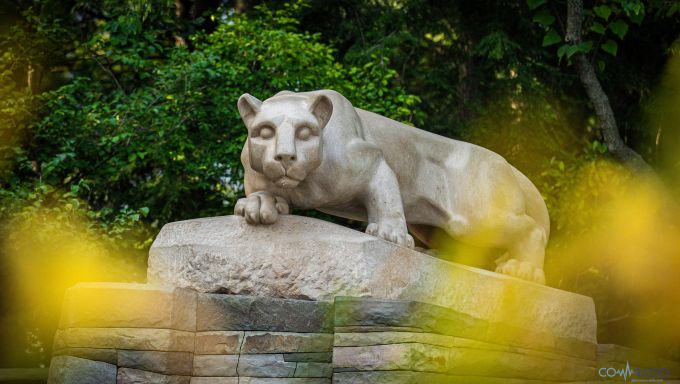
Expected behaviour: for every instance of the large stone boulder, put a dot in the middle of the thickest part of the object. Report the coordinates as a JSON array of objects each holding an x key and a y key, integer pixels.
[{"x": 305, "y": 258}]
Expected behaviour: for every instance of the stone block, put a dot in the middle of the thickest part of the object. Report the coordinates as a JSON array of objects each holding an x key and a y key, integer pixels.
[
  {"x": 218, "y": 312},
  {"x": 458, "y": 361},
  {"x": 307, "y": 357},
  {"x": 282, "y": 380},
  {"x": 271, "y": 365},
  {"x": 215, "y": 365},
  {"x": 108, "y": 355},
  {"x": 136, "y": 376},
  {"x": 506, "y": 334},
  {"x": 408, "y": 316},
  {"x": 279, "y": 342},
  {"x": 218, "y": 342},
  {"x": 125, "y": 338},
  {"x": 369, "y": 329},
  {"x": 306, "y": 258},
  {"x": 408, "y": 377},
  {"x": 575, "y": 347},
  {"x": 354, "y": 311},
  {"x": 74, "y": 370},
  {"x": 111, "y": 305},
  {"x": 214, "y": 380},
  {"x": 386, "y": 338},
  {"x": 617, "y": 353},
  {"x": 313, "y": 370},
  {"x": 168, "y": 363}
]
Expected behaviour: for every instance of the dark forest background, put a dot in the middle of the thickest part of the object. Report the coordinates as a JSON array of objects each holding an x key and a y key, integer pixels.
[{"x": 117, "y": 117}]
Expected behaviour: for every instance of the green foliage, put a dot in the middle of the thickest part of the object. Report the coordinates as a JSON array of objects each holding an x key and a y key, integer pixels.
[
  {"x": 165, "y": 134},
  {"x": 608, "y": 19}
]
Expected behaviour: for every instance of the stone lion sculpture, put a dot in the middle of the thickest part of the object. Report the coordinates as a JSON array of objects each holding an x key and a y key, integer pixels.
[{"x": 315, "y": 150}]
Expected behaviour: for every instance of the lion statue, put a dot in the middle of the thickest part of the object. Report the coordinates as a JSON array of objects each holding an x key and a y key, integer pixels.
[{"x": 315, "y": 150}]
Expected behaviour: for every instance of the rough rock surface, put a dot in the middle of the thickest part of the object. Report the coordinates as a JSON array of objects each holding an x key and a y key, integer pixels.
[
  {"x": 305, "y": 258},
  {"x": 74, "y": 370}
]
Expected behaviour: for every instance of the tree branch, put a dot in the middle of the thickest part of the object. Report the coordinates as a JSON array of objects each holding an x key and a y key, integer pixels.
[{"x": 597, "y": 96}]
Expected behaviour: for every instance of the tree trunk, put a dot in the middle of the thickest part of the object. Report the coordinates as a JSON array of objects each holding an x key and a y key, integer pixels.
[{"x": 603, "y": 109}]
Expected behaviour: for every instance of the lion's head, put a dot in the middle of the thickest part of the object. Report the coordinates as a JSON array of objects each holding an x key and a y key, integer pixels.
[{"x": 285, "y": 135}]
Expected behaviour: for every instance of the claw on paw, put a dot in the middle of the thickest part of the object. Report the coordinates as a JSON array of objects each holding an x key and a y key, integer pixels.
[
  {"x": 261, "y": 208},
  {"x": 522, "y": 269},
  {"x": 391, "y": 233}
]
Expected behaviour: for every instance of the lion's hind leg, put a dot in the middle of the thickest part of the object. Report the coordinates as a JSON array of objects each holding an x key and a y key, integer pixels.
[{"x": 526, "y": 252}]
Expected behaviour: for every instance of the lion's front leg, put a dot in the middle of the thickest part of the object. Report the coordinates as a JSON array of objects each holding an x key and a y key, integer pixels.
[
  {"x": 385, "y": 209},
  {"x": 261, "y": 207}
]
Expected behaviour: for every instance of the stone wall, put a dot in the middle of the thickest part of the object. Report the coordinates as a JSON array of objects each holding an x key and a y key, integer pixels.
[{"x": 136, "y": 333}]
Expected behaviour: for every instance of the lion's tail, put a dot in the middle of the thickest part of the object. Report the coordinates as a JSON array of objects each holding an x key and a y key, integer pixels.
[{"x": 535, "y": 205}]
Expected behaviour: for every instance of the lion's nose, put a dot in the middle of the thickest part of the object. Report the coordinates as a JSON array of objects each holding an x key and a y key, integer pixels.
[{"x": 286, "y": 159}]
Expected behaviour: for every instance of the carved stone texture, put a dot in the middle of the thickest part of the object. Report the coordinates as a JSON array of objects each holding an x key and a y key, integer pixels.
[
  {"x": 279, "y": 342},
  {"x": 215, "y": 365},
  {"x": 166, "y": 340},
  {"x": 282, "y": 380},
  {"x": 409, "y": 377},
  {"x": 305, "y": 258},
  {"x": 214, "y": 380},
  {"x": 168, "y": 363},
  {"x": 74, "y": 370},
  {"x": 265, "y": 365},
  {"x": 315, "y": 150},
  {"x": 100, "y": 305},
  {"x": 218, "y": 342},
  {"x": 218, "y": 312},
  {"x": 459, "y": 361},
  {"x": 137, "y": 376}
]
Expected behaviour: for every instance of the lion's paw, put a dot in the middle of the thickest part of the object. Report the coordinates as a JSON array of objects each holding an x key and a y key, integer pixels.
[
  {"x": 391, "y": 232},
  {"x": 522, "y": 269},
  {"x": 261, "y": 208}
]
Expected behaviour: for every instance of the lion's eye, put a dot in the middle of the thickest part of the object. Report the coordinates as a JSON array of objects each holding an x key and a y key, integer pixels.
[
  {"x": 304, "y": 133},
  {"x": 266, "y": 132}
]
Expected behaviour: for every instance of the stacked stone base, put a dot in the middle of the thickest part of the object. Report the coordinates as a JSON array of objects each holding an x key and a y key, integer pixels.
[
  {"x": 134, "y": 333},
  {"x": 387, "y": 341},
  {"x": 131, "y": 333}
]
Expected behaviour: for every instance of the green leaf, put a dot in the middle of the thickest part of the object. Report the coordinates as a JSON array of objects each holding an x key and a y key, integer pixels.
[
  {"x": 637, "y": 17},
  {"x": 551, "y": 38},
  {"x": 584, "y": 47},
  {"x": 619, "y": 27},
  {"x": 570, "y": 50},
  {"x": 603, "y": 11},
  {"x": 533, "y": 4},
  {"x": 598, "y": 28},
  {"x": 610, "y": 47},
  {"x": 562, "y": 51},
  {"x": 601, "y": 65},
  {"x": 544, "y": 18}
]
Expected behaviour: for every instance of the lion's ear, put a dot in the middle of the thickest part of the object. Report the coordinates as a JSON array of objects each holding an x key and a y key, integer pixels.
[
  {"x": 322, "y": 108},
  {"x": 248, "y": 107}
]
